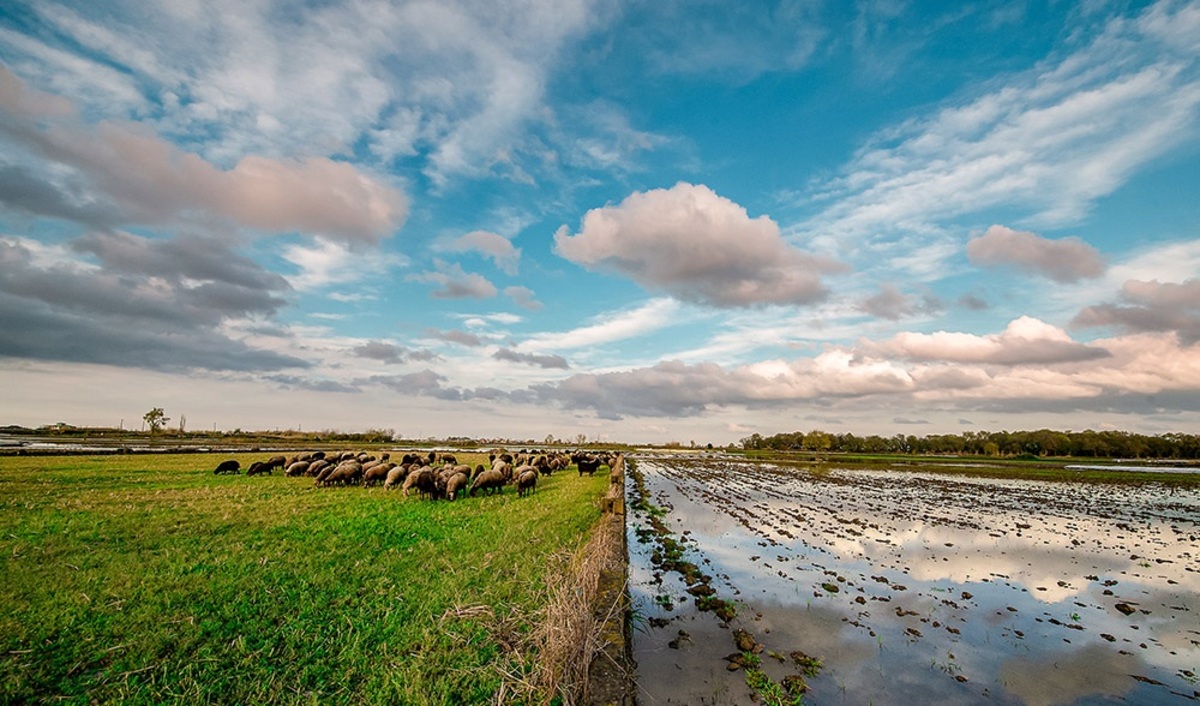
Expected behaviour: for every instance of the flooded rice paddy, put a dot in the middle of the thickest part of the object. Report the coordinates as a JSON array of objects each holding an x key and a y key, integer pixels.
[{"x": 915, "y": 587}]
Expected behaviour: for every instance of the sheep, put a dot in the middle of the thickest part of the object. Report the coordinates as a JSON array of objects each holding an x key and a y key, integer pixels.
[
  {"x": 487, "y": 482},
  {"x": 587, "y": 464},
  {"x": 274, "y": 462},
  {"x": 315, "y": 468},
  {"x": 298, "y": 468},
  {"x": 346, "y": 473},
  {"x": 258, "y": 468},
  {"x": 230, "y": 466},
  {"x": 457, "y": 482},
  {"x": 423, "y": 479},
  {"x": 376, "y": 474},
  {"x": 395, "y": 477},
  {"x": 504, "y": 469},
  {"x": 526, "y": 483}
]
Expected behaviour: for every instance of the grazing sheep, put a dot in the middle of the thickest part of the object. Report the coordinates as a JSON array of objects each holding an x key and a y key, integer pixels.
[
  {"x": 230, "y": 466},
  {"x": 458, "y": 482},
  {"x": 526, "y": 483},
  {"x": 346, "y": 473},
  {"x": 279, "y": 462},
  {"x": 315, "y": 468},
  {"x": 423, "y": 479},
  {"x": 376, "y": 474},
  {"x": 479, "y": 468},
  {"x": 395, "y": 477},
  {"x": 258, "y": 468},
  {"x": 487, "y": 482},
  {"x": 587, "y": 464},
  {"x": 449, "y": 459}
]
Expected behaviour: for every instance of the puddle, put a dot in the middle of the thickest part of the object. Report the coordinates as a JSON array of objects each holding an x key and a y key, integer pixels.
[{"x": 920, "y": 587}]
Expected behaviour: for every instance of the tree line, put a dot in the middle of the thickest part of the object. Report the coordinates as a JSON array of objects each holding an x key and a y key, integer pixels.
[{"x": 1042, "y": 442}]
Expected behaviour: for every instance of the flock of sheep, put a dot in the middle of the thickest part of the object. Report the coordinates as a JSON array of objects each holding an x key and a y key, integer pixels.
[{"x": 434, "y": 475}]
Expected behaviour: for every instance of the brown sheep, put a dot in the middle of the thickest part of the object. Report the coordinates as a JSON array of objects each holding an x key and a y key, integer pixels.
[
  {"x": 526, "y": 483},
  {"x": 395, "y": 477},
  {"x": 423, "y": 479},
  {"x": 258, "y": 468},
  {"x": 345, "y": 473},
  {"x": 376, "y": 474},
  {"x": 487, "y": 482},
  {"x": 324, "y": 473},
  {"x": 298, "y": 468},
  {"x": 315, "y": 468},
  {"x": 504, "y": 469},
  {"x": 458, "y": 482}
]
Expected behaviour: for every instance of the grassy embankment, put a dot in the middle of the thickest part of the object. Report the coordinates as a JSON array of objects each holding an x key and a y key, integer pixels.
[
  {"x": 140, "y": 579},
  {"x": 1022, "y": 467}
]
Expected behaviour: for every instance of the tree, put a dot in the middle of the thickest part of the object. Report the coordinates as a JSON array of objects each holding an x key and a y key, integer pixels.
[{"x": 155, "y": 419}]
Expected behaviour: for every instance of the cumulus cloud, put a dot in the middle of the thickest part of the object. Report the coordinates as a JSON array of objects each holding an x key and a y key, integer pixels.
[
  {"x": 1026, "y": 341},
  {"x": 455, "y": 283},
  {"x": 1029, "y": 367},
  {"x": 1150, "y": 306},
  {"x": 697, "y": 246},
  {"x": 146, "y": 304},
  {"x": 150, "y": 181},
  {"x": 1066, "y": 260},
  {"x": 502, "y": 252},
  {"x": 542, "y": 361},
  {"x": 523, "y": 297}
]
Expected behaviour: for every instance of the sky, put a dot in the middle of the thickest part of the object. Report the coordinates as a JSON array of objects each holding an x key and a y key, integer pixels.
[{"x": 630, "y": 220}]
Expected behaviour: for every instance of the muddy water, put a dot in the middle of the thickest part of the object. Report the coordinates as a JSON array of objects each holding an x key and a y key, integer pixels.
[{"x": 922, "y": 588}]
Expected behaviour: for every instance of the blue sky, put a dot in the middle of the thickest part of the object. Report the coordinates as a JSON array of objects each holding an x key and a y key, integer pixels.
[{"x": 634, "y": 221}]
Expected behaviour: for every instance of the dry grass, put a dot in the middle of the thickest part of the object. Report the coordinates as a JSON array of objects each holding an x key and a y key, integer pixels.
[{"x": 551, "y": 665}]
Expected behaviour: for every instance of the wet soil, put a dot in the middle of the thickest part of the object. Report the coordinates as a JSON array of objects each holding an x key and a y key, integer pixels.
[{"x": 913, "y": 587}]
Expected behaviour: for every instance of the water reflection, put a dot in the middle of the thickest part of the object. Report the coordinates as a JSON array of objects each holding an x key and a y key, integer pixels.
[{"x": 925, "y": 588}]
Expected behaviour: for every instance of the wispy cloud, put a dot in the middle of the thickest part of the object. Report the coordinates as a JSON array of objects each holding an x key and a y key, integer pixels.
[
  {"x": 652, "y": 316},
  {"x": 1050, "y": 141}
]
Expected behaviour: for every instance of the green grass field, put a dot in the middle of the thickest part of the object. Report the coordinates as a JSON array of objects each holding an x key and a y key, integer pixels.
[{"x": 147, "y": 579}]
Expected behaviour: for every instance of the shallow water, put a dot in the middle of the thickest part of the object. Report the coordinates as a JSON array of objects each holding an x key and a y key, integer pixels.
[{"x": 923, "y": 588}]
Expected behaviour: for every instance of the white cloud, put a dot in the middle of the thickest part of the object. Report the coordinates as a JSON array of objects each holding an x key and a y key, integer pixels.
[
  {"x": 456, "y": 82},
  {"x": 1026, "y": 341},
  {"x": 1051, "y": 141},
  {"x": 697, "y": 246},
  {"x": 652, "y": 316}
]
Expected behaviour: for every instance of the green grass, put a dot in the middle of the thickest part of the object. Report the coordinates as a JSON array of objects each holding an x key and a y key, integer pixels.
[{"x": 147, "y": 579}]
